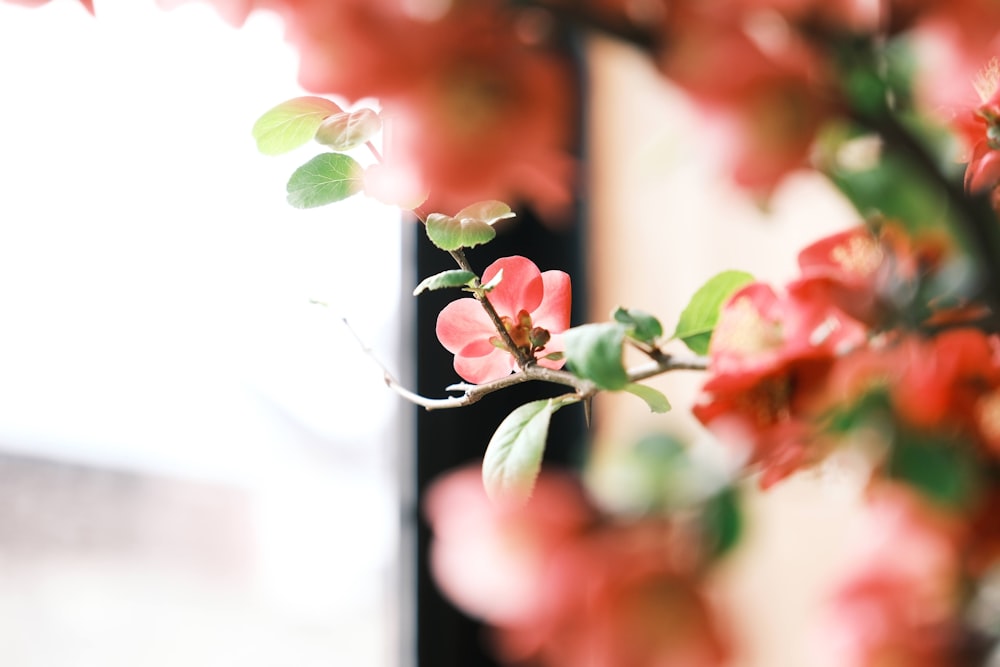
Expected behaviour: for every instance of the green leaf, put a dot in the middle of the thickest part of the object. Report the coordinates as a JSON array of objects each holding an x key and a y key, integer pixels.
[
  {"x": 893, "y": 188},
  {"x": 656, "y": 401},
  {"x": 940, "y": 468},
  {"x": 595, "y": 353},
  {"x": 325, "y": 179},
  {"x": 453, "y": 233},
  {"x": 722, "y": 520},
  {"x": 698, "y": 319},
  {"x": 347, "y": 130},
  {"x": 490, "y": 211},
  {"x": 291, "y": 124},
  {"x": 514, "y": 456},
  {"x": 453, "y": 278},
  {"x": 641, "y": 325}
]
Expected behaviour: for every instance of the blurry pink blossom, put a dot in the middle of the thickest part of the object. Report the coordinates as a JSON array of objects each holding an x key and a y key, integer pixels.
[
  {"x": 897, "y": 600},
  {"x": 527, "y": 300},
  {"x": 564, "y": 586}
]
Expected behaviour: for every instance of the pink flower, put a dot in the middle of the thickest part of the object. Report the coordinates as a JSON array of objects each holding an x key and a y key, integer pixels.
[
  {"x": 896, "y": 604},
  {"x": 771, "y": 356},
  {"x": 477, "y": 102},
  {"x": 563, "y": 585},
  {"x": 527, "y": 300}
]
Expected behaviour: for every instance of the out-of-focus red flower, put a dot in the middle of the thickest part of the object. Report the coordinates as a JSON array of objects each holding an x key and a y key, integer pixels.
[
  {"x": 871, "y": 275},
  {"x": 563, "y": 585},
  {"x": 489, "y": 556},
  {"x": 944, "y": 385},
  {"x": 769, "y": 360},
  {"x": 757, "y": 78},
  {"x": 979, "y": 126},
  {"x": 526, "y": 300},
  {"x": 477, "y": 104},
  {"x": 759, "y": 332},
  {"x": 899, "y": 594}
]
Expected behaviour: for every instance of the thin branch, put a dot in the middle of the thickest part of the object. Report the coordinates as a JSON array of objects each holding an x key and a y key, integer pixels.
[{"x": 583, "y": 389}]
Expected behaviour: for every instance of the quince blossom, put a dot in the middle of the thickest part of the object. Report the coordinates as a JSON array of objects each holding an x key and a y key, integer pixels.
[
  {"x": 979, "y": 126},
  {"x": 534, "y": 307},
  {"x": 896, "y": 602},
  {"x": 564, "y": 585},
  {"x": 770, "y": 358}
]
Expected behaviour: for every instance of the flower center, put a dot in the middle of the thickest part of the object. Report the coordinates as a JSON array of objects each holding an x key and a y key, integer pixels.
[
  {"x": 860, "y": 255},
  {"x": 746, "y": 332},
  {"x": 526, "y": 337},
  {"x": 987, "y": 81}
]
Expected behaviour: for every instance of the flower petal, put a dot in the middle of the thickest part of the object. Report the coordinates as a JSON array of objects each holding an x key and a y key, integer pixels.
[
  {"x": 462, "y": 322},
  {"x": 495, "y": 365},
  {"x": 521, "y": 287},
  {"x": 555, "y": 344},
  {"x": 553, "y": 312}
]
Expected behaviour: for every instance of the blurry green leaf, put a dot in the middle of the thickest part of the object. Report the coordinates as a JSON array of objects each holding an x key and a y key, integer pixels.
[
  {"x": 641, "y": 325},
  {"x": 940, "y": 468},
  {"x": 490, "y": 211},
  {"x": 325, "y": 179},
  {"x": 453, "y": 233},
  {"x": 347, "y": 130},
  {"x": 291, "y": 124},
  {"x": 892, "y": 188},
  {"x": 656, "y": 401},
  {"x": 595, "y": 353},
  {"x": 722, "y": 521},
  {"x": 698, "y": 319},
  {"x": 513, "y": 458},
  {"x": 453, "y": 278}
]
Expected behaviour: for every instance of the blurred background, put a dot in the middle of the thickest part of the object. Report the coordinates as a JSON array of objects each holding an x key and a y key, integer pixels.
[{"x": 197, "y": 465}]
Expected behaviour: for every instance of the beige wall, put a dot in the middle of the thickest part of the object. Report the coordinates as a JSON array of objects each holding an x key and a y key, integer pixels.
[{"x": 664, "y": 220}]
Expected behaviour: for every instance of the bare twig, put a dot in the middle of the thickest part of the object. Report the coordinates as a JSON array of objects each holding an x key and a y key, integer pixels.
[{"x": 583, "y": 390}]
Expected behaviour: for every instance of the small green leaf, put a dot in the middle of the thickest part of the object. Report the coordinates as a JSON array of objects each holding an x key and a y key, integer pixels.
[
  {"x": 514, "y": 456},
  {"x": 722, "y": 520},
  {"x": 656, "y": 401},
  {"x": 325, "y": 179},
  {"x": 291, "y": 124},
  {"x": 641, "y": 325},
  {"x": 698, "y": 319},
  {"x": 453, "y": 233},
  {"x": 347, "y": 130},
  {"x": 453, "y": 278},
  {"x": 595, "y": 353},
  {"x": 938, "y": 467},
  {"x": 490, "y": 212}
]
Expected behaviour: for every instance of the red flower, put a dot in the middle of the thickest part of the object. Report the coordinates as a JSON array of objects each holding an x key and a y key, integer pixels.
[
  {"x": 899, "y": 596},
  {"x": 564, "y": 586},
  {"x": 527, "y": 301},
  {"x": 872, "y": 275},
  {"x": 477, "y": 104},
  {"x": 769, "y": 88},
  {"x": 979, "y": 126},
  {"x": 488, "y": 556},
  {"x": 770, "y": 359},
  {"x": 946, "y": 385}
]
